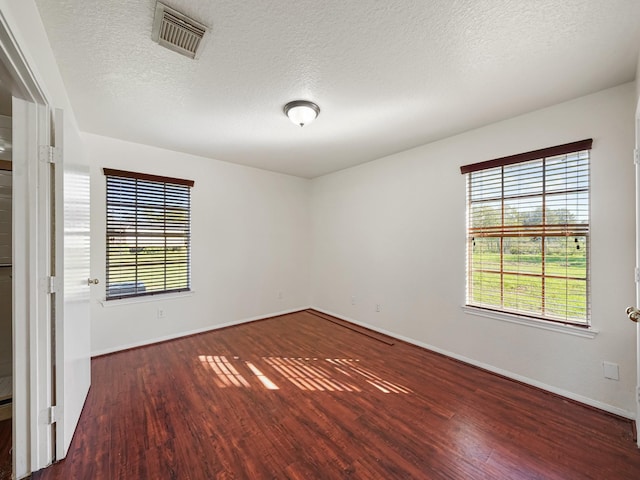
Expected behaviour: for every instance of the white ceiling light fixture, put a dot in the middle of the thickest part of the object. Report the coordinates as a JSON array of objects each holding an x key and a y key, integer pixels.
[{"x": 301, "y": 112}]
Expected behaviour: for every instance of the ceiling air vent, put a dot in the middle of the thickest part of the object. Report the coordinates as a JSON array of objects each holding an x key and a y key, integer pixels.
[{"x": 176, "y": 31}]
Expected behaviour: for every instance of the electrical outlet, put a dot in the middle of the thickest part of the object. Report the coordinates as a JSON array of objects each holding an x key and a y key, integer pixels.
[
  {"x": 353, "y": 300},
  {"x": 378, "y": 307},
  {"x": 161, "y": 313},
  {"x": 280, "y": 296}
]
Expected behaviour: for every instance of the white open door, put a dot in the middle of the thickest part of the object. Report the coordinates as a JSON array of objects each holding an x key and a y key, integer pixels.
[
  {"x": 51, "y": 325},
  {"x": 32, "y": 306},
  {"x": 633, "y": 312},
  {"x": 72, "y": 256},
  {"x": 52, "y": 364},
  {"x": 637, "y": 162}
]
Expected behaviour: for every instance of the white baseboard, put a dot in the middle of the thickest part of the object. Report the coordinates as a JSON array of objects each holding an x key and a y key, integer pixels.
[
  {"x": 505, "y": 373},
  {"x": 209, "y": 328}
]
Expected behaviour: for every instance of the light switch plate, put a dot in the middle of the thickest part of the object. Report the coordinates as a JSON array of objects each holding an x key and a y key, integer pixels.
[{"x": 611, "y": 370}]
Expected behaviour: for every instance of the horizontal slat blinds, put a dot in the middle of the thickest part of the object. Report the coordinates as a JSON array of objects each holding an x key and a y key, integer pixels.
[
  {"x": 528, "y": 237},
  {"x": 148, "y": 234}
]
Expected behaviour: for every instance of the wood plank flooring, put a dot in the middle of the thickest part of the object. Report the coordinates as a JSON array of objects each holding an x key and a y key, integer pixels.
[
  {"x": 5, "y": 449},
  {"x": 299, "y": 397}
]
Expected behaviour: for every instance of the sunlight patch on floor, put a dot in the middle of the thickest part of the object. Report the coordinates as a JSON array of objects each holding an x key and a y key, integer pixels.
[
  {"x": 306, "y": 373},
  {"x": 343, "y": 365},
  {"x": 269, "y": 385},
  {"x": 226, "y": 374}
]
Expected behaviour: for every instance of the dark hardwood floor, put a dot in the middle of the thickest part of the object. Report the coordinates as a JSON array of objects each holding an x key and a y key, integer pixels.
[
  {"x": 5, "y": 449},
  {"x": 299, "y": 397}
]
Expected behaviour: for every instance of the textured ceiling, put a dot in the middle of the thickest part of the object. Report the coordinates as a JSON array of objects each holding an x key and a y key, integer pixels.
[{"x": 388, "y": 75}]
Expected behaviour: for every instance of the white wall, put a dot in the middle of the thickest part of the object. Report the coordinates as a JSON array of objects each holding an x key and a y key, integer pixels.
[
  {"x": 392, "y": 232},
  {"x": 250, "y": 241}
]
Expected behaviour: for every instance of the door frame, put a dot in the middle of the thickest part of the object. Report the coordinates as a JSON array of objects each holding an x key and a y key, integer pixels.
[
  {"x": 33, "y": 440},
  {"x": 637, "y": 172}
]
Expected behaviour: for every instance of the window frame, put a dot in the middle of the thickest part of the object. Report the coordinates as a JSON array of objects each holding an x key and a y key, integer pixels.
[
  {"x": 500, "y": 311},
  {"x": 174, "y": 190}
]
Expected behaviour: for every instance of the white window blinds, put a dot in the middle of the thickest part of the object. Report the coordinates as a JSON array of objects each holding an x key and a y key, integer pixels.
[
  {"x": 148, "y": 234},
  {"x": 528, "y": 234}
]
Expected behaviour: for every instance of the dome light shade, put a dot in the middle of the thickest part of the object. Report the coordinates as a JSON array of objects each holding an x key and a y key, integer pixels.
[{"x": 301, "y": 112}]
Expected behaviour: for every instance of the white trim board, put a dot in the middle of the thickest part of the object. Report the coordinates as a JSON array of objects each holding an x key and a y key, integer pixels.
[
  {"x": 531, "y": 322},
  {"x": 210, "y": 328},
  {"x": 490, "y": 368}
]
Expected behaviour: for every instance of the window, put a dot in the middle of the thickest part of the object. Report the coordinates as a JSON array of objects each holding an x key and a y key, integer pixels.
[
  {"x": 148, "y": 234},
  {"x": 528, "y": 234}
]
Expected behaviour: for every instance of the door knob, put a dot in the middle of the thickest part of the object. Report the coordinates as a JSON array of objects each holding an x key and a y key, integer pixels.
[
  {"x": 634, "y": 314},
  {"x": 93, "y": 281}
]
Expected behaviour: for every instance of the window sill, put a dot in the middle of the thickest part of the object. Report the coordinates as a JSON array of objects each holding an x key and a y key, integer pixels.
[
  {"x": 531, "y": 322},
  {"x": 145, "y": 299}
]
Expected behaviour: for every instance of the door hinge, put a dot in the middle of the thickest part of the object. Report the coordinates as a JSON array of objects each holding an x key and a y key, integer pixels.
[
  {"x": 49, "y": 154},
  {"x": 636, "y": 156},
  {"x": 53, "y": 414},
  {"x": 52, "y": 284}
]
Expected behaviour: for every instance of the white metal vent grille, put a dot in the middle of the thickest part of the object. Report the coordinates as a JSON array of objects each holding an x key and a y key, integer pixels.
[{"x": 176, "y": 31}]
